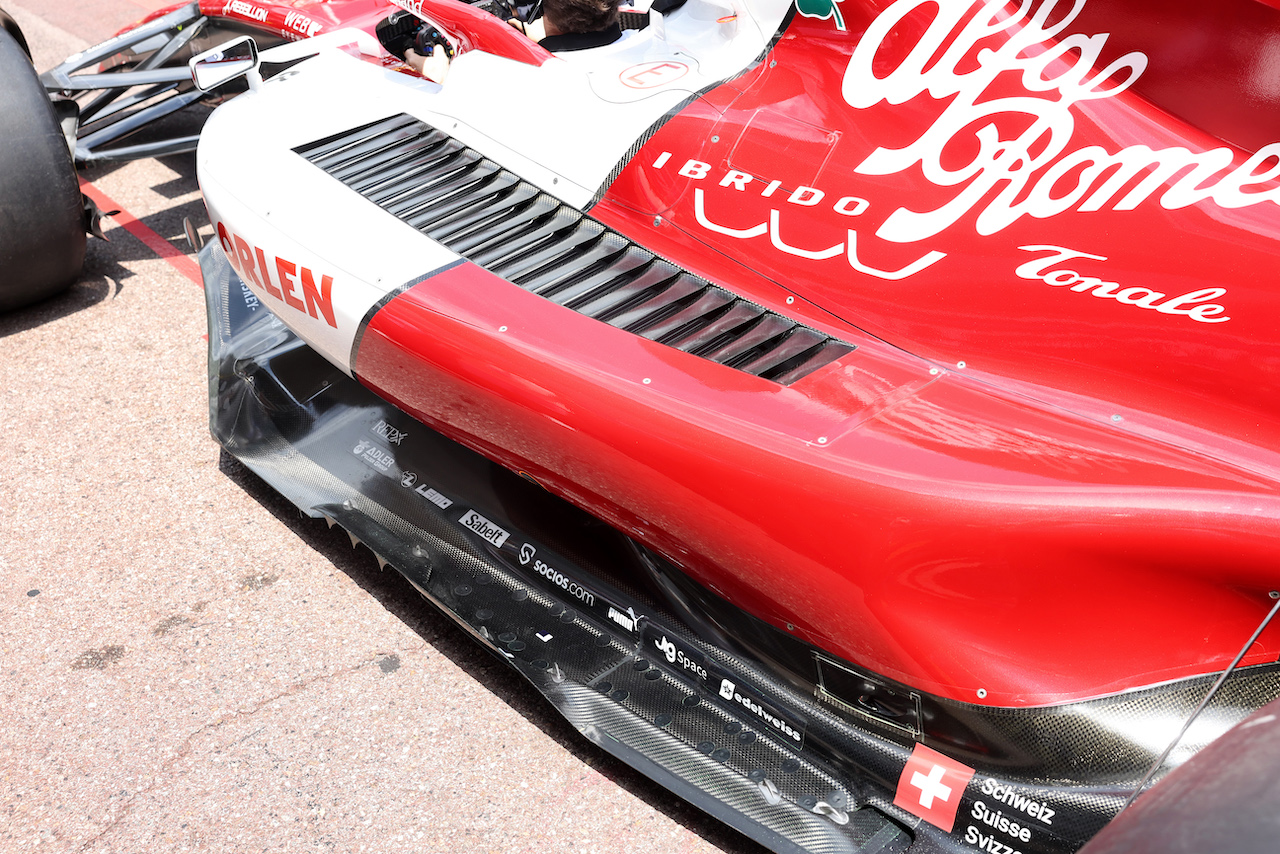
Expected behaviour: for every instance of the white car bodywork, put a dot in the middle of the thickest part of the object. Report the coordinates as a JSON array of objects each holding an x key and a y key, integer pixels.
[{"x": 563, "y": 126}]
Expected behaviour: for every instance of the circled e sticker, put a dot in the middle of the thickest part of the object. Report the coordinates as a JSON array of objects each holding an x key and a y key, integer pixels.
[{"x": 653, "y": 75}]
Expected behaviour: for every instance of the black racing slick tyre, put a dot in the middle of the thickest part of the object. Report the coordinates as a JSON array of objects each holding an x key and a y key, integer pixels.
[
  {"x": 42, "y": 235},
  {"x": 8, "y": 23}
]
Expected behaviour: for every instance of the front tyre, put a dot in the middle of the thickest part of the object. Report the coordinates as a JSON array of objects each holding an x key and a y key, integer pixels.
[{"x": 42, "y": 234}]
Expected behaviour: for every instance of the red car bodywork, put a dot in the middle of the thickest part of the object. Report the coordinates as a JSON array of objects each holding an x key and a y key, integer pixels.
[
  {"x": 1048, "y": 471},
  {"x": 302, "y": 19}
]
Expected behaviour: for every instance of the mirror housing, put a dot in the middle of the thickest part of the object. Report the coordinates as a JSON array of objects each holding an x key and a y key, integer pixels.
[{"x": 226, "y": 62}]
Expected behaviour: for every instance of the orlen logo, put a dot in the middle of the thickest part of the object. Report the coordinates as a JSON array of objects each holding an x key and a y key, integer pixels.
[{"x": 296, "y": 286}]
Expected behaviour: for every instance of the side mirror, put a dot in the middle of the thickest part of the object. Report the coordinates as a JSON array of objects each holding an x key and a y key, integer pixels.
[{"x": 225, "y": 63}]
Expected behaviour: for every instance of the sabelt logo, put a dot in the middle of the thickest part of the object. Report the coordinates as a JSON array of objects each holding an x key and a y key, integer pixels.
[{"x": 473, "y": 521}]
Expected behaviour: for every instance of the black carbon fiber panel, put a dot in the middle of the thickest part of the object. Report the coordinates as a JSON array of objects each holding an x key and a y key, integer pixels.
[{"x": 494, "y": 219}]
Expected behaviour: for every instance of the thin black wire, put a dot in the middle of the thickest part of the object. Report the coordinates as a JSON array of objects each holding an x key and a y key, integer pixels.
[{"x": 1203, "y": 703}]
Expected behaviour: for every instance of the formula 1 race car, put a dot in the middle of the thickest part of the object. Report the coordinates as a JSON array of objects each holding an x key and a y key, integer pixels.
[
  {"x": 129, "y": 97},
  {"x": 858, "y": 415},
  {"x": 133, "y": 84}
]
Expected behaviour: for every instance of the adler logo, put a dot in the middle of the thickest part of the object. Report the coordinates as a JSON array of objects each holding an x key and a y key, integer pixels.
[{"x": 373, "y": 455}]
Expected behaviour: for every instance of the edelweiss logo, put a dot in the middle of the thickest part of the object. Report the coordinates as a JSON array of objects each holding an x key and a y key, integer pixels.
[{"x": 727, "y": 688}]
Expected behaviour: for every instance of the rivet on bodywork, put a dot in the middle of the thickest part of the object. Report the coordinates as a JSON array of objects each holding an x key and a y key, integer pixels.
[
  {"x": 657, "y": 221},
  {"x": 982, "y": 693},
  {"x": 1116, "y": 419}
]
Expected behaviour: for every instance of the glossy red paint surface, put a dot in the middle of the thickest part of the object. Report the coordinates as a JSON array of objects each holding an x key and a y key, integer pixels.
[
  {"x": 1088, "y": 505},
  {"x": 1049, "y": 470},
  {"x": 984, "y": 299},
  {"x": 921, "y": 525}
]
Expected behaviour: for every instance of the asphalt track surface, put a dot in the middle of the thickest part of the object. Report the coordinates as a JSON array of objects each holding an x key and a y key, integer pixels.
[{"x": 189, "y": 664}]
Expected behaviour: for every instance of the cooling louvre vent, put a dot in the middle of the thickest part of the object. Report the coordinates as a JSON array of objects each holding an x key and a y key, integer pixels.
[{"x": 511, "y": 228}]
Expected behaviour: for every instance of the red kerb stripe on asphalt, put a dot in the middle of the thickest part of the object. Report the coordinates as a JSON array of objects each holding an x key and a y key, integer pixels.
[{"x": 157, "y": 244}]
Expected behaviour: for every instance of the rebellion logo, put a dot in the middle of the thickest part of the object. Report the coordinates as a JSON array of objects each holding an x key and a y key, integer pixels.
[{"x": 245, "y": 10}]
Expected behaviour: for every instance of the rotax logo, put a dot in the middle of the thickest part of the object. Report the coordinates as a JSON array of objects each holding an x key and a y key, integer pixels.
[{"x": 931, "y": 785}]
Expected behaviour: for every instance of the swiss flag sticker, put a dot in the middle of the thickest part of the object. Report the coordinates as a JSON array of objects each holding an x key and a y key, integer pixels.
[{"x": 931, "y": 785}]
